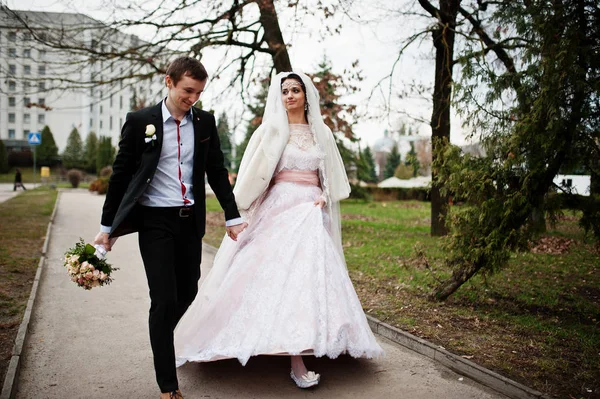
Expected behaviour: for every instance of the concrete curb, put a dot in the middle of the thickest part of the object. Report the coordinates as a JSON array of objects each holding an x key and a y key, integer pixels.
[
  {"x": 9, "y": 389},
  {"x": 462, "y": 366}
]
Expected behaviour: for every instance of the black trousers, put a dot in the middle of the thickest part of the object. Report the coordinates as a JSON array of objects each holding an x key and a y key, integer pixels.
[{"x": 171, "y": 250}]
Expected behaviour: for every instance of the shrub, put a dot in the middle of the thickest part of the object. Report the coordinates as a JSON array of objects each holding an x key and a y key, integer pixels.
[
  {"x": 359, "y": 192},
  {"x": 404, "y": 172},
  {"x": 106, "y": 171},
  {"x": 74, "y": 176},
  {"x": 99, "y": 185}
]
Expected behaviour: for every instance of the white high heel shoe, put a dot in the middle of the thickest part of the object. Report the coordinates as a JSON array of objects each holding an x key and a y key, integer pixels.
[{"x": 310, "y": 379}]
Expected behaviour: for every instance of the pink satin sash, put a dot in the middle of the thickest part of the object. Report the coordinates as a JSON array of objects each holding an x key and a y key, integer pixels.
[{"x": 297, "y": 176}]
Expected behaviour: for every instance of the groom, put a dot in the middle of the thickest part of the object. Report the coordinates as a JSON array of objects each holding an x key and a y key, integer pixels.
[{"x": 157, "y": 189}]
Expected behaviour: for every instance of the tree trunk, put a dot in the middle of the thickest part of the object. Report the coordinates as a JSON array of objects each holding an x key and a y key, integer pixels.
[
  {"x": 443, "y": 41},
  {"x": 450, "y": 285},
  {"x": 273, "y": 35}
]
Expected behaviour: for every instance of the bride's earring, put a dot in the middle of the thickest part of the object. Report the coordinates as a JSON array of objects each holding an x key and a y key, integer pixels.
[{"x": 306, "y": 106}]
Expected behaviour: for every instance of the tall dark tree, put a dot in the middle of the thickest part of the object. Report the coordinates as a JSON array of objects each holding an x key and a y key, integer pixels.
[
  {"x": 366, "y": 166},
  {"x": 3, "y": 158},
  {"x": 225, "y": 138},
  {"x": 392, "y": 162},
  {"x": 443, "y": 40},
  {"x": 412, "y": 160},
  {"x": 106, "y": 153},
  {"x": 90, "y": 152},
  {"x": 47, "y": 151},
  {"x": 72, "y": 156}
]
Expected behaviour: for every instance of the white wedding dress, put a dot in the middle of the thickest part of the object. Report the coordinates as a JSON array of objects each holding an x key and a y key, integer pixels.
[{"x": 283, "y": 287}]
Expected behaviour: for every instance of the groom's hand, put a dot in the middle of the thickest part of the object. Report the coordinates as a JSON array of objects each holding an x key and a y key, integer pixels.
[
  {"x": 233, "y": 231},
  {"x": 102, "y": 239}
]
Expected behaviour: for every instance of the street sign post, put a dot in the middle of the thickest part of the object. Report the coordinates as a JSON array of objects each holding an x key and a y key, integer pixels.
[{"x": 34, "y": 139}]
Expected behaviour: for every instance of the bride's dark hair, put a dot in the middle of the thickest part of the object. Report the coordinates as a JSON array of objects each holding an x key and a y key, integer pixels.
[
  {"x": 295, "y": 77},
  {"x": 299, "y": 79}
]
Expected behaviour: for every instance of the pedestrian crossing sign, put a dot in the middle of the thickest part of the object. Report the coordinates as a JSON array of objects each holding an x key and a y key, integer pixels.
[{"x": 34, "y": 138}]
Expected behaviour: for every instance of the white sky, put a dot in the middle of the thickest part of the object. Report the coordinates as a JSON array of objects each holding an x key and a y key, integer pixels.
[{"x": 375, "y": 45}]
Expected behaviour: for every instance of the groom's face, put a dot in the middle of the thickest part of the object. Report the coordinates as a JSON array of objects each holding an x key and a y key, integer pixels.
[{"x": 185, "y": 92}]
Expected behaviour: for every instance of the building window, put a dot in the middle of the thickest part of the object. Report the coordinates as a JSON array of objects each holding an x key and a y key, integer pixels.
[
  {"x": 26, "y": 36},
  {"x": 41, "y": 118},
  {"x": 91, "y": 122},
  {"x": 120, "y": 102},
  {"x": 101, "y": 108},
  {"x": 12, "y": 52},
  {"x": 100, "y": 124},
  {"x": 12, "y": 101},
  {"x": 27, "y": 53},
  {"x": 41, "y": 54},
  {"x": 26, "y": 85},
  {"x": 111, "y": 100},
  {"x": 42, "y": 101},
  {"x": 12, "y": 36},
  {"x": 25, "y": 133},
  {"x": 12, "y": 69},
  {"x": 42, "y": 69},
  {"x": 26, "y": 118},
  {"x": 27, "y": 101},
  {"x": 42, "y": 86},
  {"x": 12, "y": 85},
  {"x": 11, "y": 133},
  {"x": 110, "y": 123},
  {"x": 27, "y": 69},
  {"x": 120, "y": 121},
  {"x": 11, "y": 117}
]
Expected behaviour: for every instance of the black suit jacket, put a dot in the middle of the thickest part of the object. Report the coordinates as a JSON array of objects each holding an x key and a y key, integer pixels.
[{"x": 136, "y": 163}]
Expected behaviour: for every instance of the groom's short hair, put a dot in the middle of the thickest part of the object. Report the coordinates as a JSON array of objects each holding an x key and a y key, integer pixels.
[{"x": 186, "y": 66}]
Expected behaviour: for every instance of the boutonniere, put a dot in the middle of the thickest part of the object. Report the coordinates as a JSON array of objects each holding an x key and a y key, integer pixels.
[{"x": 150, "y": 134}]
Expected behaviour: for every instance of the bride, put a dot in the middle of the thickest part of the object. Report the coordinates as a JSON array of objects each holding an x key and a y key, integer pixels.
[{"x": 281, "y": 287}]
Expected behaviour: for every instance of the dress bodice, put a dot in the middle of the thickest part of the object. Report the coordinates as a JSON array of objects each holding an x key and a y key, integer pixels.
[{"x": 301, "y": 151}]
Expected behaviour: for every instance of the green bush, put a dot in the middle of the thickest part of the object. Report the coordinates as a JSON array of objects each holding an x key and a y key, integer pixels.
[
  {"x": 399, "y": 193},
  {"x": 359, "y": 192}
]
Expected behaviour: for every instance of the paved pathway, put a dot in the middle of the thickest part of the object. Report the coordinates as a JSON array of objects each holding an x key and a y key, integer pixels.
[
  {"x": 95, "y": 344},
  {"x": 6, "y": 191}
]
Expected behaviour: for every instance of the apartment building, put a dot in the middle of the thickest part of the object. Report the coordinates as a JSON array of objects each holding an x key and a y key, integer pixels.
[{"x": 48, "y": 78}]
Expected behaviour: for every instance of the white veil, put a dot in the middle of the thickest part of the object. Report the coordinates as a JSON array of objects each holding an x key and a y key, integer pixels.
[{"x": 258, "y": 166}]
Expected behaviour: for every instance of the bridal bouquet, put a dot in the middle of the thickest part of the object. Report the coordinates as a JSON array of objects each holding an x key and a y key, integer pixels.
[{"x": 87, "y": 267}]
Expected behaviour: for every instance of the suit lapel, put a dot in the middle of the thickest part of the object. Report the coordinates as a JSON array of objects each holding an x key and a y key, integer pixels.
[
  {"x": 157, "y": 120},
  {"x": 197, "y": 131}
]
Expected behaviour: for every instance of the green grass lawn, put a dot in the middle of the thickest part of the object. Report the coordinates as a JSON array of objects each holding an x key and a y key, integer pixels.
[
  {"x": 536, "y": 322},
  {"x": 23, "y": 223}
]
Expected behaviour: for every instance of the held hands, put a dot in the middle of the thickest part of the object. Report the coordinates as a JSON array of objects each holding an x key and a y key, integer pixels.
[{"x": 233, "y": 231}]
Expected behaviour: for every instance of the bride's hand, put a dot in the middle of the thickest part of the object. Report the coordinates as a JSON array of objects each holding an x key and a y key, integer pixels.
[
  {"x": 320, "y": 203},
  {"x": 233, "y": 231}
]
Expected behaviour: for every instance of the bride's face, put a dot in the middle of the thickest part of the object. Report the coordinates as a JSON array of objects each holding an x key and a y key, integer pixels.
[{"x": 292, "y": 95}]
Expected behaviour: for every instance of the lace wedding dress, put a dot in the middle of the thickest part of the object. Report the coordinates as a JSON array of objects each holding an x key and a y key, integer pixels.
[{"x": 283, "y": 287}]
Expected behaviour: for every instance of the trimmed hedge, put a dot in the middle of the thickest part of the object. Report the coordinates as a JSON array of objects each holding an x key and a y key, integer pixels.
[{"x": 393, "y": 194}]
